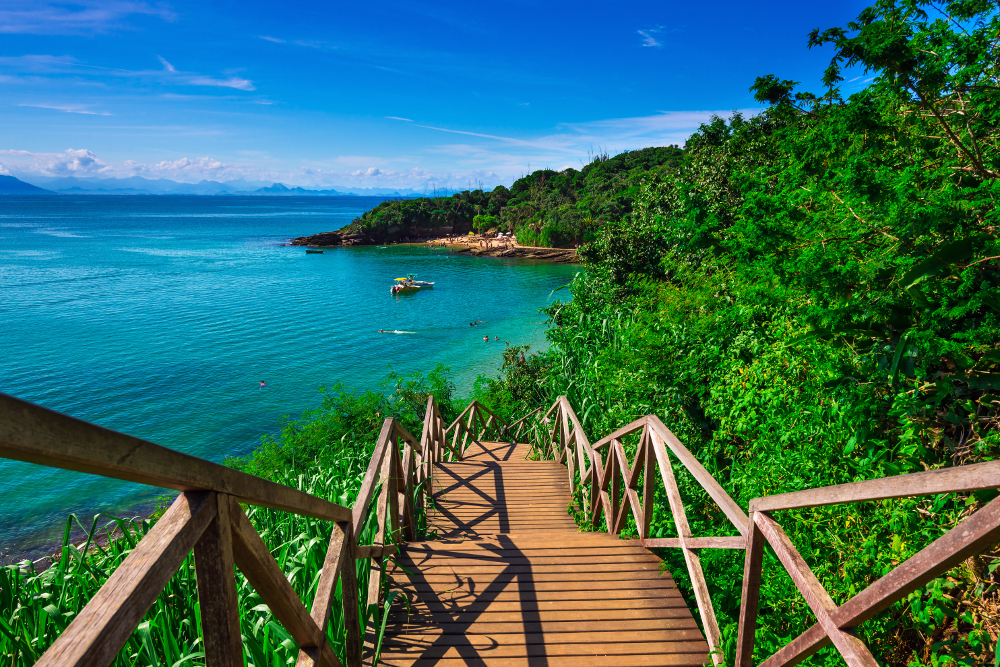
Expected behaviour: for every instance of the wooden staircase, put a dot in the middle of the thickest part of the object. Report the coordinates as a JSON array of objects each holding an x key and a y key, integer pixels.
[{"x": 512, "y": 582}]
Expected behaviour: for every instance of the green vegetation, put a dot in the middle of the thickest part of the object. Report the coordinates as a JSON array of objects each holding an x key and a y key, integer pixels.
[
  {"x": 810, "y": 297},
  {"x": 806, "y": 297},
  {"x": 326, "y": 453},
  {"x": 546, "y": 208}
]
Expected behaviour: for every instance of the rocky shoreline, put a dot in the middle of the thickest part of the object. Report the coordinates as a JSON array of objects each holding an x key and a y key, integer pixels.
[{"x": 476, "y": 246}]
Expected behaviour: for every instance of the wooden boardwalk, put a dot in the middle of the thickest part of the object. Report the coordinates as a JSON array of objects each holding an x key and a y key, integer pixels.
[{"x": 511, "y": 582}]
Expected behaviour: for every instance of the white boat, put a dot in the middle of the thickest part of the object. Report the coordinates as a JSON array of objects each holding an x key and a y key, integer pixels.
[{"x": 409, "y": 284}]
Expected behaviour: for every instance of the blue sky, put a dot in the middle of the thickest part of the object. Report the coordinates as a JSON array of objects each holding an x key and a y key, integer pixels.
[{"x": 378, "y": 94}]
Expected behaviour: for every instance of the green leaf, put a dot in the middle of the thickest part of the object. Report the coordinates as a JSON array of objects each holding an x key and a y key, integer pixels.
[{"x": 942, "y": 257}]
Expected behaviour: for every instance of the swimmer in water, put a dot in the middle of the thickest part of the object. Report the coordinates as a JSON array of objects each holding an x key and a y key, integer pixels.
[
  {"x": 496, "y": 338},
  {"x": 263, "y": 385},
  {"x": 486, "y": 339}
]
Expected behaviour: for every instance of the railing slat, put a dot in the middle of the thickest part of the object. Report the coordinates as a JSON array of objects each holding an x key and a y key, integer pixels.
[
  {"x": 949, "y": 480},
  {"x": 100, "y": 630},
  {"x": 220, "y": 614},
  {"x": 750, "y": 597},
  {"x": 364, "y": 497},
  {"x": 691, "y": 559},
  {"x": 973, "y": 535},
  {"x": 338, "y": 555},
  {"x": 852, "y": 649},
  {"x": 728, "y": 506},
  {"x": 696, "y": 543},
  {"x": 31, "y": 433},
  {"x": 259, "y": 567}
]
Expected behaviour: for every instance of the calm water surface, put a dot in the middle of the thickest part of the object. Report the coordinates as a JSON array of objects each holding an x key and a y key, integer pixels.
[{"x": 159, "y": 316}]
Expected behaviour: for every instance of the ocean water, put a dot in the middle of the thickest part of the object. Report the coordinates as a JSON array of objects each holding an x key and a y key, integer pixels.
[{"x": 159, "y": 316}]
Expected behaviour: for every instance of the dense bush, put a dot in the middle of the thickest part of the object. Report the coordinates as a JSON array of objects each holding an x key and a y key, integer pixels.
[{"x": 809, "y": 297}]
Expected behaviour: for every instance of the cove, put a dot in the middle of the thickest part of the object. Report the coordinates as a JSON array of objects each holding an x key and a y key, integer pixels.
[{"x": 159, "y": 317}]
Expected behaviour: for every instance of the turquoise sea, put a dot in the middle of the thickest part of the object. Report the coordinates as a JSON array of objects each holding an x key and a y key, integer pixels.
[{"x": 159, "y": 316}]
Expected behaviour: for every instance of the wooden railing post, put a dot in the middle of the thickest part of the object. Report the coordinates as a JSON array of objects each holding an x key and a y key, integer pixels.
[
  {"x": 751, "y": 596},
  {"x": 349, "y": 591},
  {"x": 220, "y": 618}
]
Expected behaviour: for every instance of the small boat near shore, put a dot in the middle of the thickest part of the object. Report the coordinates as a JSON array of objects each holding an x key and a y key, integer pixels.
[
  {"x": 310, "y": 251},
  {"x": 409, "y": 284}
]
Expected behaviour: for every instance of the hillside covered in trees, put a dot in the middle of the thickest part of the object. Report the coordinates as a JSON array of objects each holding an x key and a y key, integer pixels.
[
  {"x": 546, "y": 208},
  {"x": 810, "y": 297}
]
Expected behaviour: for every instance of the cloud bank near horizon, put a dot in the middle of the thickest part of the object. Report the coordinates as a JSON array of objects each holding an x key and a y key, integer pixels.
[{"x": 485, "y": 158}]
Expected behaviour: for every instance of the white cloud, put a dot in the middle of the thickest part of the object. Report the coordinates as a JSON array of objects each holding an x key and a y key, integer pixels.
[
  {"x": 481, "y": 157},
  {"x": 272, "y": 39},
  {"x": 414, "y": 179},
  {"x": 68, "y": 163},
  {"x": 80, "y": 17},
  {"x": 232, "y": 82},
  {"x": 648, "y": 39},
  {"x": 56, "y": 65},
  {"x": 408, "y": 120},
  {"x": 3, "y": 170},
  {"x": 67, "y": 108},
  {"x": 194, "y": 79}
]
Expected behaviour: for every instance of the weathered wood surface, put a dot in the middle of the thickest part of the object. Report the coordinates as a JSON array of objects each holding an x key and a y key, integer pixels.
[{"x": 512, "y": 582}]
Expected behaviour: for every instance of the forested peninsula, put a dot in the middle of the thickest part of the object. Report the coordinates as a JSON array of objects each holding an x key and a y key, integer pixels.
[{"x": 547, "y": 209}]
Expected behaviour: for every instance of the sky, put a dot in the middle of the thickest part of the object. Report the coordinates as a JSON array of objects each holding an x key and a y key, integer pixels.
[{"x": 413, "y": 94}]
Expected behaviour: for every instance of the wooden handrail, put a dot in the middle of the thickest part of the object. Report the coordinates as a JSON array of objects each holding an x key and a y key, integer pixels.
[
  {"x": 208, "y": 518},
  {"x": 612, "y": 486},
  {"x": 31, "y": 433}
]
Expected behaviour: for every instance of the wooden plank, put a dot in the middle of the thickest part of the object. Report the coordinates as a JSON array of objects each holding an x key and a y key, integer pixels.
[
  {"x": 540, "y": 591},
  {"x": 473, "y": 659},
  {"x": 217, "y": 601},
  {"x": 31, "y": 433},
  {"x": 696, "y": 543},
  {"x": 852, "y": 649},
  {"x": 949, "y": 480},
  {"x": 100, "y": 630},
  {"x": 665, "y": 601},
  {"x": 728, "y": 506},
  {"x": 374, "y": 551},
  {"x": 512, "y": 634},
  {"x": 261, "y": 570},
  {"x": 973, "y": 535}
]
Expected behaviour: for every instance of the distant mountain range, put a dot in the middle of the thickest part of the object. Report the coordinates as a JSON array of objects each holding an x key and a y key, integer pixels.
[
  {"x": 136, "y": 185},
  {"x": 12, "y": 186}
]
